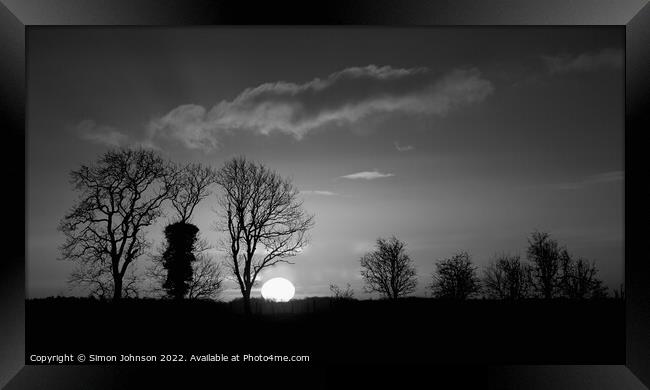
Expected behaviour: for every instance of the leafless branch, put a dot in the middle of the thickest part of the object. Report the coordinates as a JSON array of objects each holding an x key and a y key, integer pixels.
[
  {"x": 455, "y": 278},
  {"x": 388, "y": 269},
  {"x": 119, "y": 197},
  {"x": 195, "y": 181},
  {"x": 507, "y": 277},
  {"x": 259, "y": 211}
]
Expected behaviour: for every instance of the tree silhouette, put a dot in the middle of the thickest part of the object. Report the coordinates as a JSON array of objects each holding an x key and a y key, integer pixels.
[
  {"x": 119, "y": 196},
  {"x": 455, "y": 278},
  {"x": 545, "y": 255},
  {"x": 193, "y": 186},
  {"x": 178, "y": 258},
  {"x": 388, "y": 269},
  {"x": 207, "y": 279},
  {"x": 96, "y": 277},
  {"x": 506, "y": 277},
  {"x": 580, "y": 280},
  {"x": 207, "y": 275},
  {"x": 339, "y": 293},
  {"x": 262, "y": 216}
]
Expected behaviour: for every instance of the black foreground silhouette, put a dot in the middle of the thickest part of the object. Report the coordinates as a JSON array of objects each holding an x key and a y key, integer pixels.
[{"x": 337, "y": 331}]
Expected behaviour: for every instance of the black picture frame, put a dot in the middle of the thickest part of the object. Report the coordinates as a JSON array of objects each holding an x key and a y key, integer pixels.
[{"x": 16, "y": 16}]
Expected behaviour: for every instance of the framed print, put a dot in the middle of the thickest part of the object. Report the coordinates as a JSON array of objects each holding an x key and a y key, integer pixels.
[{"x": 215, "y": 189}]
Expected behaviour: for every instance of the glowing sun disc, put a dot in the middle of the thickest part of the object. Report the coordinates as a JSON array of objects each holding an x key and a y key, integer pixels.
[{"x": 278, "y": 290}]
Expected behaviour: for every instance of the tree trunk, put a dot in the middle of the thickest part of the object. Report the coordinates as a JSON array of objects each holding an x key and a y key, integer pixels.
[
  {"x": 247, "y": 303},
  {"x": 117, "y": 290}
]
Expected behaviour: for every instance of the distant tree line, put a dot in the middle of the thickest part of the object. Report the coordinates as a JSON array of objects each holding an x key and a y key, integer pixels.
[
  {"x": 261, "y": 219},
  {"x": 549, "y": 272}
]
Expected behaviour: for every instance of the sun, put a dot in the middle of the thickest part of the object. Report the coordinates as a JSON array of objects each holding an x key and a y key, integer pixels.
[{"x": 278, "y": 290}]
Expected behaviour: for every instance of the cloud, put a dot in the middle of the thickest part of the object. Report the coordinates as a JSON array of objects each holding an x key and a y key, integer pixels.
[
  {"x": 367, "y": 175},
  {"x": 602, "y": 178},
  {"x": 318, "y": 192},
  {"x": 187, "y": 124},
  {"x": 585, "y": 62},
  {"x": 109, "y": 136},
  {"x": 101, "y": 134},
  {"x": 404, "y": 148},
  {"x": 342, "y": 98}
]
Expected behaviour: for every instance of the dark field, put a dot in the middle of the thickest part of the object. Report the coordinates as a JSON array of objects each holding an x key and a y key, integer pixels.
[{"x": 410, "y": 331}]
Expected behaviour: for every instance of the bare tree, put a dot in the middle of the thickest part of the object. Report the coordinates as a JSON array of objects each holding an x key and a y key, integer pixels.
[
  {"x": 506, "y": 277},
  {"x": 207, "y": 282},
  {"x": 339, "y": 293},
  {"x": 388, "y": 269},
  {"x": 194, "y": 186},
  {"x": 455, "y": 278},
  {"x": 544, "y": 253},
  {"x": 194, "y": 181},
  {"x": 208, "y": 276},
  {"x": 120, "y": 195},
  {"x": 580, "y": 279},
  {"x": 96, "y": 278},
  {"x": 263, "y": 218}
]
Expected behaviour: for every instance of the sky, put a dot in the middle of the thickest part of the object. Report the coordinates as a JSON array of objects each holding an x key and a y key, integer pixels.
[{"x": 452, "y": 139}]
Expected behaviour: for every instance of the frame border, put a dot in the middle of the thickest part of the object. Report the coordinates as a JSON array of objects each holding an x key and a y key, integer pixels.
[{"x": 17, "y": 15}]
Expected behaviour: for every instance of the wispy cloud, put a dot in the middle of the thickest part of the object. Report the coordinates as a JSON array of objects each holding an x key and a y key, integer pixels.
[
  {"x": 109, "y": 136},
  {"x": 318, "y": 192},
  {"x": 367, "y": 175},
  {"x": 602, "y": 178},
  {"x": 585, "y": 62},
  {"x": 89, "y": 130},
  {"x": 403, "y": 148},
  {"x": 340, "y": 99}
]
